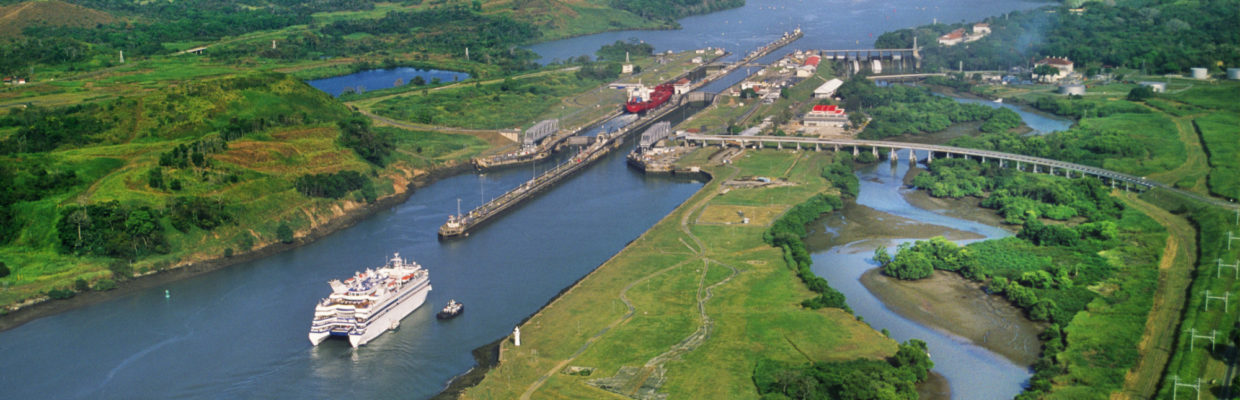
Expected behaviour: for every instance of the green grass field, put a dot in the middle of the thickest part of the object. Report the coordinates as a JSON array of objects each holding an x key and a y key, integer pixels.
[
  {"x": 1155, "y": 133},
  {"x": 1220, "y": 133},
  {"x": 116, "y": 163},
  {"x": 753, "y": 306}
]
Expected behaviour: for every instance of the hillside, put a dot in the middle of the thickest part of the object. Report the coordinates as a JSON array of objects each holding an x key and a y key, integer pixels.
[
  {"x": 15, "y": 17},
  {"x": 97, "y": 193}
]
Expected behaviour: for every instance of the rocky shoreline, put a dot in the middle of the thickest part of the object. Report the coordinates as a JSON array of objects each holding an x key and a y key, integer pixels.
[{"x": 47, "y": 307}]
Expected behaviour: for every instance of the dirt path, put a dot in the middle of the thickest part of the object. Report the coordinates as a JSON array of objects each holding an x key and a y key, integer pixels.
[
  {"x": 1174, "y": 274},
  {"x": 589, "y": 342},
  {"x": 1195, "y": 158}
]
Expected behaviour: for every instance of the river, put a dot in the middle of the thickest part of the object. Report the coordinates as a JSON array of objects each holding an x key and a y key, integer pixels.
[
  {"x": 972, "y": 371},
  {"x": 240, "y": 332}
]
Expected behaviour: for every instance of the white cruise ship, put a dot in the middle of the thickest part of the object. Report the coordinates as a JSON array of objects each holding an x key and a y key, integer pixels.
[{"x": 371, "y": 302}]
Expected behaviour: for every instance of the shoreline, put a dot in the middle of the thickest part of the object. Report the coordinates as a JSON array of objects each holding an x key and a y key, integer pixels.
[
  {"x": 489, "y": 355},
  {"x": 948, "y": 303},
  {"x": 49, "y": 307}
]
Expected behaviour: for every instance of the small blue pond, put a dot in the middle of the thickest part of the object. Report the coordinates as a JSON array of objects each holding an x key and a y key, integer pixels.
[{"x": 375, "y": 79}]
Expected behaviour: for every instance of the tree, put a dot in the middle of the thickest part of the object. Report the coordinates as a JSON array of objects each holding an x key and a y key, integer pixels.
[
  {"x": 4, "y": 270},
  {"x": 418, "y": 81},
  {"x": 1140, "y": 93},
  {"x": 1044, "y": 70},
  {"x": 909, "y": 265},
  {"x": 104, "y": 285},
  {"x": 881, "y": 256},
  {"x": 284, "y": 233},
  {"x": 155, "y": 178},
  {"x": 81, "y": 285}
]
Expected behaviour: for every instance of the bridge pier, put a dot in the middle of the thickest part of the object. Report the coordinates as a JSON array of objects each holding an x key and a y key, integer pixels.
[
  {"x": 817, "y": 147},
  {"x": 759, "y": 145},
  {"x": 929, "y": 157},
  {"x": 837, "y": 148},
  {"x": 1000, "y": 163},
  {"x": 912, "y": 157},
  {"x": 1035, "y": 168},
  {"x": 874, "y": 151},
  {"x": 779, "y": 145},
  {"x": 798, "y": 146}
]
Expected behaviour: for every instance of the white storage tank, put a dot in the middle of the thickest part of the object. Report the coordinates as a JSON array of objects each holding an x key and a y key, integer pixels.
[
  {"x": 1200, "y": 73},
  {"x": 1078, "y": 90},
  {"x": 1233, "y": 73},
  {"x": 1157, "y": 87}
]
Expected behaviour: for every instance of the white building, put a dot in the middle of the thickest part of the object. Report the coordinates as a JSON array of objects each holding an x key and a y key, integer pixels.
[
  {"x": 828, "y": 89},
  {"x": 1064, "y": 66}
]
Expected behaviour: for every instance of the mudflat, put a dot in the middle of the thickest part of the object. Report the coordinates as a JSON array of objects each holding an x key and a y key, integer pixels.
[{"x": 948, "y": 302}]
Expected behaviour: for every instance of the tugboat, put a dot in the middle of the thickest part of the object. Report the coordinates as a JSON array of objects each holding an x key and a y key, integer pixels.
[{"x": 450, "y": 311}]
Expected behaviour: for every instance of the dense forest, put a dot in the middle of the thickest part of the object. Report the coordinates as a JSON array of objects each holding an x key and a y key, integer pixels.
[
  {"x": 1074, "y": 236},
  {"x": 443, "y": 28},
  {"x": 674, "y": 9},
  {"x": 901, "y": 110},
  {"x": 860, "y": 379},
  {"x": 1157, "y": 37}
]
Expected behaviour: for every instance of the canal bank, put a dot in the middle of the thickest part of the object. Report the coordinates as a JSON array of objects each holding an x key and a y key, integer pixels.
[{"x": 189, "y": 269}]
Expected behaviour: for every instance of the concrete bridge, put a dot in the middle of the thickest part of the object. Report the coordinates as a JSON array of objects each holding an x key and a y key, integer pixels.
[
  {"x": 867, "y": 54},
  {"x": 1036, "y": 164},
  {"x": 902, "y": 77}
]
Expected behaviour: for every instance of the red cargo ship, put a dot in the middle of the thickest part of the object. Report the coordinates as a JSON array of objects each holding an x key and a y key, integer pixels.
[{"x": 654, "y": 98}]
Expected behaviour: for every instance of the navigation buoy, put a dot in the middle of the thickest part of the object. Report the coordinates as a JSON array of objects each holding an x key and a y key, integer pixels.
[{"x": 167, "y": 294}]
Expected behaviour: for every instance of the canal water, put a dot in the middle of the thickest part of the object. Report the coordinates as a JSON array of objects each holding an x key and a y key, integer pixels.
[
  {"x": 241, "y": 331},
  {"x": 375, "y": 79},
  {"x": 973, "y": 372}
]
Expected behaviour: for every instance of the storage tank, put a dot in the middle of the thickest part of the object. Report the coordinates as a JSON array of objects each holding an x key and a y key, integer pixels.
[
  {"x": 1157, "y": 87},
  {"x": 1078, "y": 90},
  {"x": 1233, "y": 73},
  {"x": 1200, "y": 73}
]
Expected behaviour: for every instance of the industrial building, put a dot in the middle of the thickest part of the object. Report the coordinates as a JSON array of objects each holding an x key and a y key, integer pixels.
[
  {"x": 808, "y": 68},
  {"x": 828, "y": 89},
  {"x": 826, "y": 115},
  {"x": 1072, "y": 90}
]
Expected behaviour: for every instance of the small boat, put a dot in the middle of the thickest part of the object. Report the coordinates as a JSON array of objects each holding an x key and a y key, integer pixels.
[
  {"x": 450, "y": 311},
  {"x": 998, "y": 100}
]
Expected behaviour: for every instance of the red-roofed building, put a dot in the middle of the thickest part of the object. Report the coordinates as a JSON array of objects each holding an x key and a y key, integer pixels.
[
  {"x": 682, "y": 85},
  {"x": 826, "y": 115},
  {"x": 952, "y": 38},
  {"x": 812, "y": 61}
]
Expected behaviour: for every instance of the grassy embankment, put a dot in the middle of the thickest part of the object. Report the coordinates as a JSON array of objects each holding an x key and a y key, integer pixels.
[
  {"x": 252, "y": 178},
  {"x": 520, "y": 101},
  {"x": 691, "y": 306}
]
